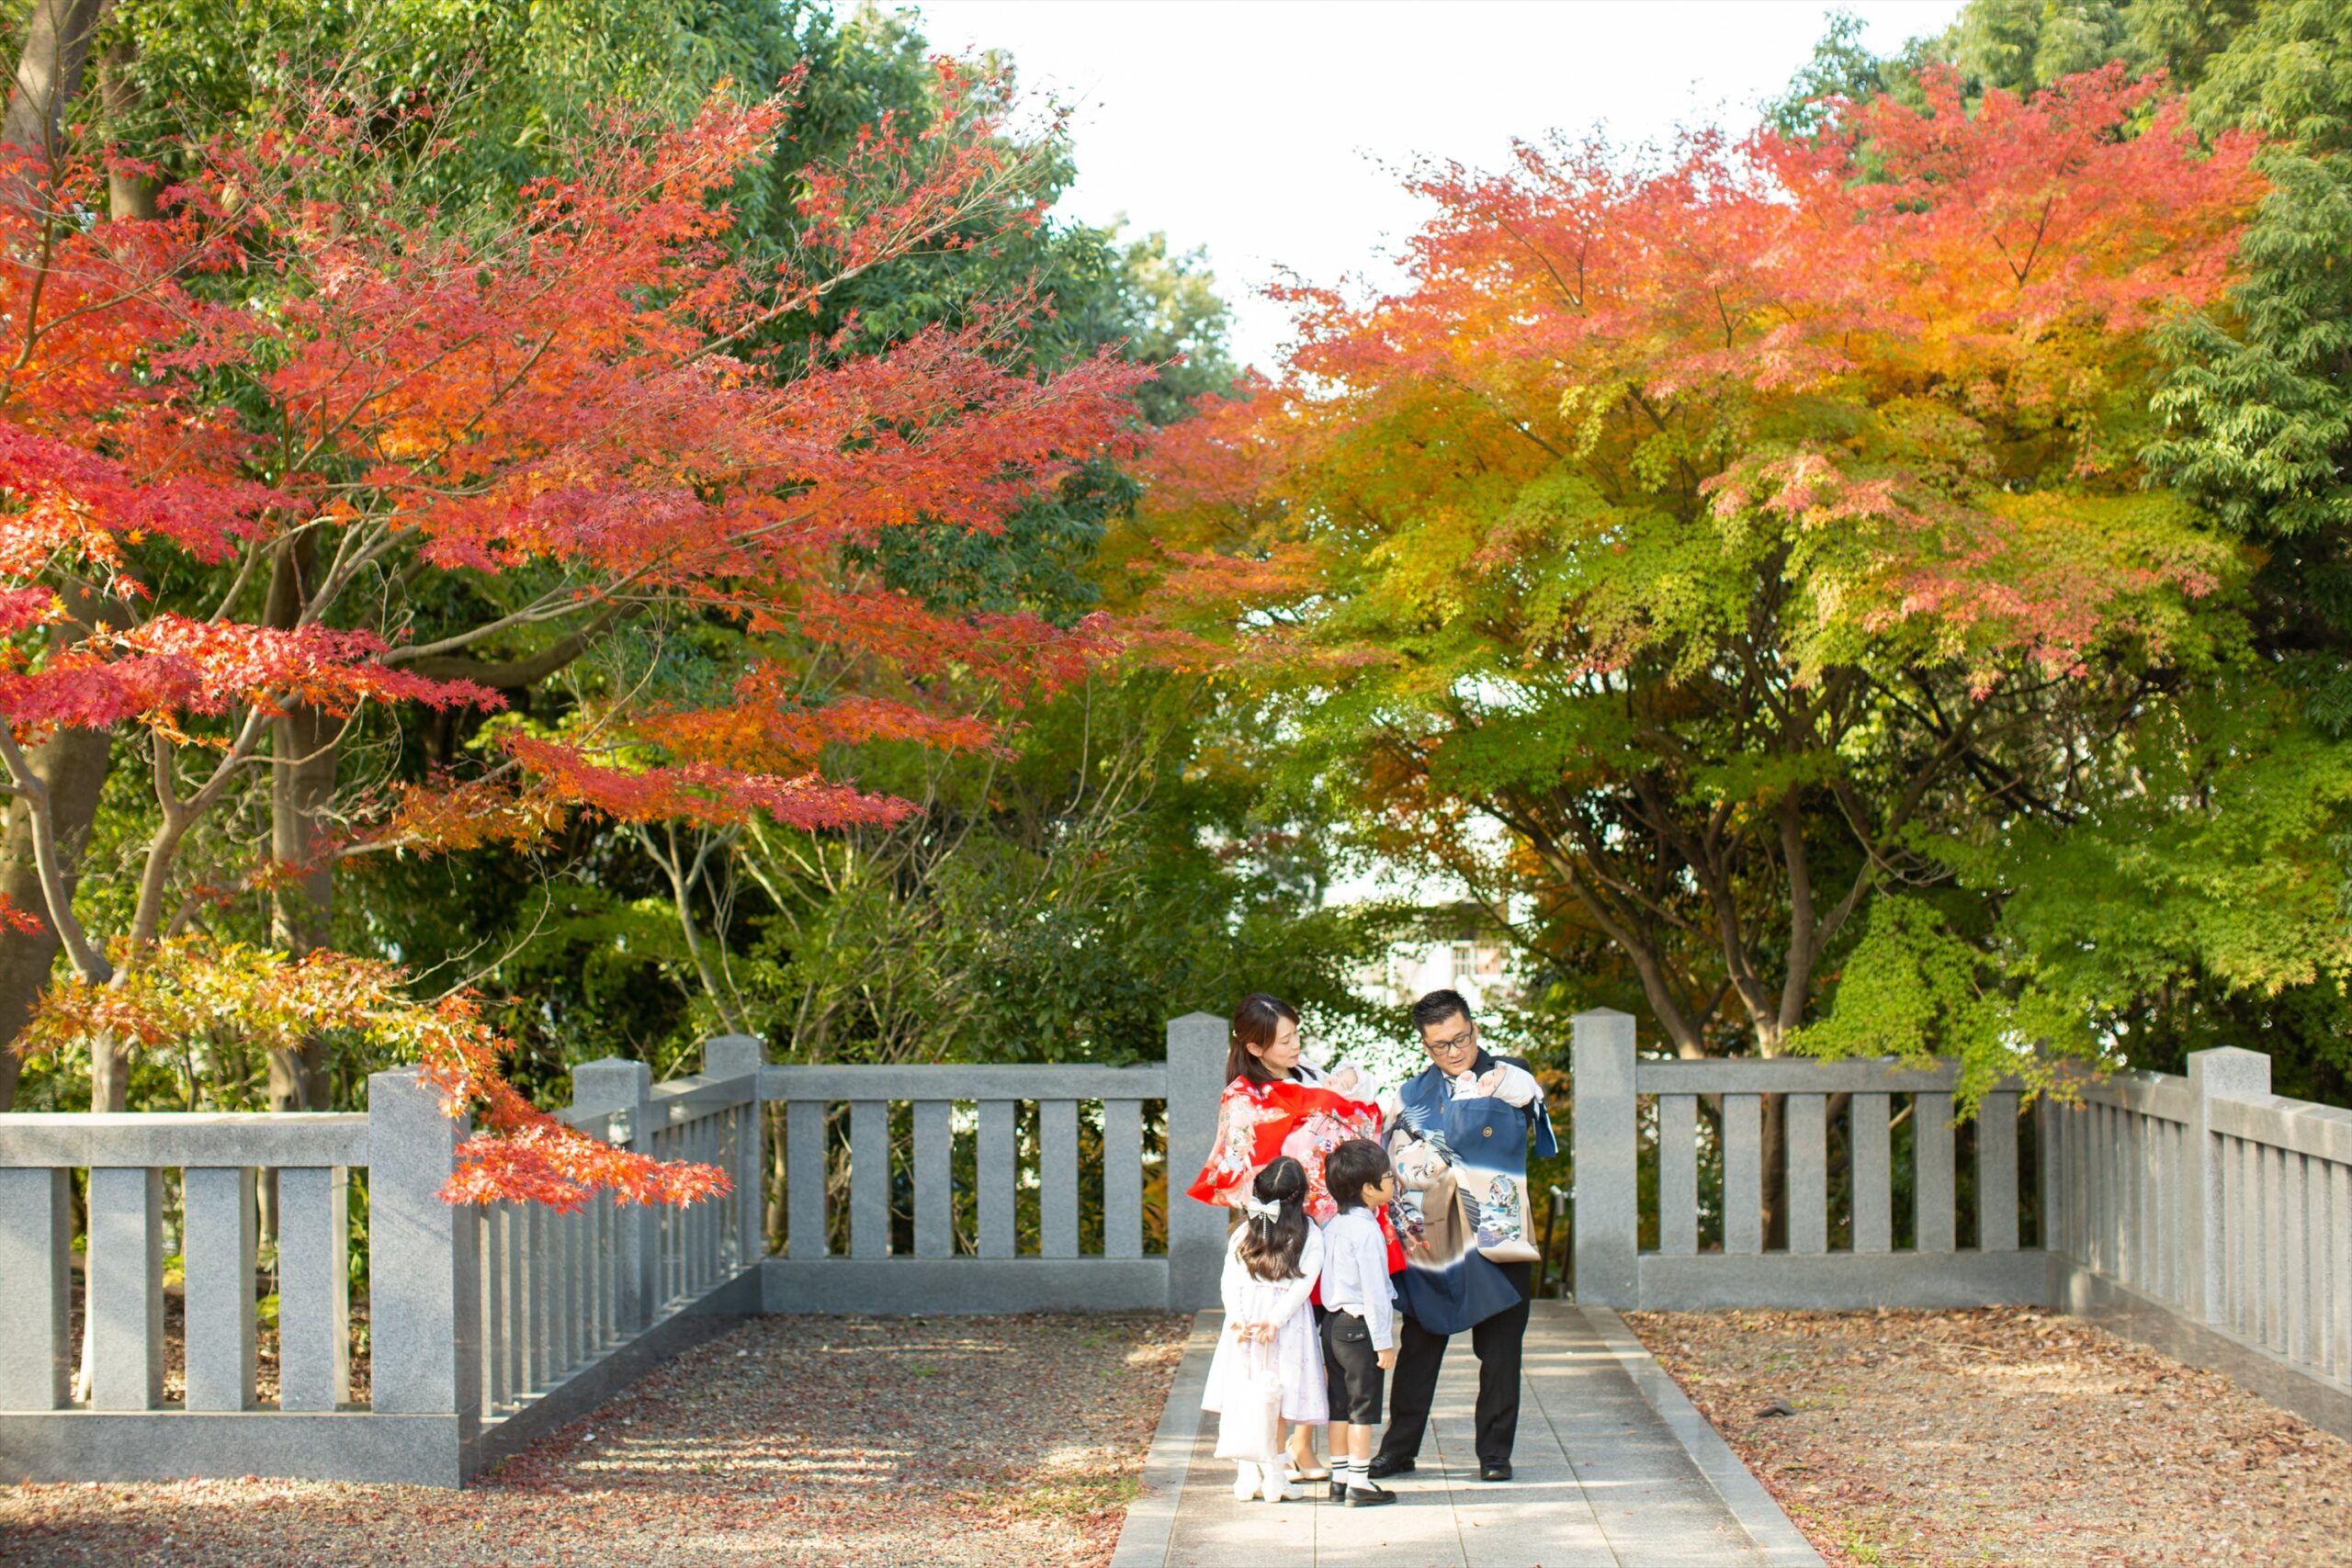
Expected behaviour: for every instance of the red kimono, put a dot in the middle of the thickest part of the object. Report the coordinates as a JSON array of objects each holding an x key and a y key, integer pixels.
[{"x": 1257, "y": 1122}]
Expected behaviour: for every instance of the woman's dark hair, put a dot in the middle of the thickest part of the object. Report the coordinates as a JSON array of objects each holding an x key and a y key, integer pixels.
[
  {"x": 1353, "y": 1167},
  {"x": 1270, "y": 1248},
  {"x": 1255, "y": 1022}
]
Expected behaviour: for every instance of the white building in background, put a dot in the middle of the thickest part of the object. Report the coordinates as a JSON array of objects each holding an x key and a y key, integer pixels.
[{"x": 1473, "y": 962}]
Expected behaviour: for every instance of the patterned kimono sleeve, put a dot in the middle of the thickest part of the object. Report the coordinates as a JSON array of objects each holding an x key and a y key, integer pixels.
[{"x": 1231, "y": 1164}]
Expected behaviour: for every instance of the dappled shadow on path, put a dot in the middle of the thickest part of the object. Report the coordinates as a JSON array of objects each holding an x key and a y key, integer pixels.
[{"x": 789, "y": 1440}]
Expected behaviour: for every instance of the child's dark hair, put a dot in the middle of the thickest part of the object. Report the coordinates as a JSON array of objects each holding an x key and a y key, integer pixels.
[
  {"x": 1353, "y": 1167},
  {"x": 1270, "y": 1248}
]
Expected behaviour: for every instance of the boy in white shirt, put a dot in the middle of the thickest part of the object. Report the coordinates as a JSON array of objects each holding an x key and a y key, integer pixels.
[{"x": 1360, "y": 1315}]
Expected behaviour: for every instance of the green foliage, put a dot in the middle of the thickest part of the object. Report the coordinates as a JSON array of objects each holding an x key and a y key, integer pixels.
[
  {"x": 2282, "y": 68},
  {"x": 2198, "y": 894},
  {"x": 2216, "y": 868},
  {"x": 1060, "y": 899},
  {"x": 2258, "y": 410},
  {"x": 505, "y": 84},
  {"x": 2022, "y": 44},
  {"x": 1104, "y": 882}
]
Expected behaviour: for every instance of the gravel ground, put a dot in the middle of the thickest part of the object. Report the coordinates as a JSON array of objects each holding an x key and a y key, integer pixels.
[
  {"x": 988, "y": 1442},
  {"x": 2007, "y": 1436}
]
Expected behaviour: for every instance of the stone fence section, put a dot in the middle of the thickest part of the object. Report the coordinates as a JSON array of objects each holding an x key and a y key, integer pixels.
[
  {"x": 487, "y": 1326},
  {"x": 971, "y": 1118},
  {"x": 2212, "y": 1219},
  {"x": 1619, "y": 1095},
  {"x": 2202, "y": 1216}
]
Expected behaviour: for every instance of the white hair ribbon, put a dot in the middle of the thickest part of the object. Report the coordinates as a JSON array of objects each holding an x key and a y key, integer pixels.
[{"x": 1258, "y": 1211}]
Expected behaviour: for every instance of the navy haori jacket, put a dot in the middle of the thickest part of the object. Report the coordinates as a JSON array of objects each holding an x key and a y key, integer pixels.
[{"x": 1447, "y": 1286}]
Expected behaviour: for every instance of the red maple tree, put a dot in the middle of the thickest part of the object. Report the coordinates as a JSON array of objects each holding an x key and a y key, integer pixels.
[{"x": 301, "y": 393}]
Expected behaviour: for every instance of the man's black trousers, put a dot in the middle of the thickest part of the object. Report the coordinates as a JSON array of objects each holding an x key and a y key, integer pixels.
[{"x": 1419, "y": 1354}]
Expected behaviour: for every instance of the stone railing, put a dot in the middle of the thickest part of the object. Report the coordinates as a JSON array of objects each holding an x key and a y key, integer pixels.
[
  {"x": 978, "y": 1108},
  {"x": 2210, "y": 1218},
  {"x": 2201, "y": 1214},
  {"x": 1611, "y": 1268},
  {"x": 485, "y": 1325}
]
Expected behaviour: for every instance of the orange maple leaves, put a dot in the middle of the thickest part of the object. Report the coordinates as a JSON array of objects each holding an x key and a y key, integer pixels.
[
  {"x": 190, "y": 988},
  {"x": 1874, "y": 344},
  {"x": 169, "y": 667},
  {"x": 605, "y": 396}
]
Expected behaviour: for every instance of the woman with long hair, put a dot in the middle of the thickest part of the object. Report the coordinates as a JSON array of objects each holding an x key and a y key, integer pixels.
[{"x": 1276, "y": 1104}]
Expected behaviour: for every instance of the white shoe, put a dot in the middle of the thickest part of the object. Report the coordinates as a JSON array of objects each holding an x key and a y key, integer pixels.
[
  {"x": 1277, "y": 1490},
  {"x": 1245, "y": 1480}
]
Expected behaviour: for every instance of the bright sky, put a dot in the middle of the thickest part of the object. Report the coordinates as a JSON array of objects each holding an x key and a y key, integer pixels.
[{"x": 1268, "y": 132}]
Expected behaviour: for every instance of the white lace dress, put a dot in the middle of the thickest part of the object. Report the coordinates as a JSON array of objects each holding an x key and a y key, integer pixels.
[{"x": 1298, "y": 1350}]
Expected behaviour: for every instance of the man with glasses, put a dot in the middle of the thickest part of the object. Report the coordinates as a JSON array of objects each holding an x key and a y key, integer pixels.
[{"x": 1464, "y": 1131}]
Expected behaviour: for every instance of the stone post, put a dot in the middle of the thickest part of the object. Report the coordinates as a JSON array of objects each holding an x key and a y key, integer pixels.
[
  {"x": 35, "y": 1242},
  {"x": 2226, "y": 1073},
  {"x": 313, "y": 1288},
  {"x": 424, "y": 1257},
  {"x": 1608, "y": 1215},
  {"x": 218, "y": 1239},
  {"x": 1196, "y": 1231},
  {"x": 627, "y": 1088},
  {"x": 739, "y": 1055},
  {"x": 2045, "y": 1158},
  {"x": 124, "y": 1281}
]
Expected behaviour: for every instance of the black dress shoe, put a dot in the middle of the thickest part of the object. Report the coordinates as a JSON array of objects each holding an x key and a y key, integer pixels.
[
  {"x": 1369, "y": 1496},
  {"x": 1383, "y": 1466},
  {"x": 1338, "y": 1490},
  {"x": 1494, "y": 1470}
]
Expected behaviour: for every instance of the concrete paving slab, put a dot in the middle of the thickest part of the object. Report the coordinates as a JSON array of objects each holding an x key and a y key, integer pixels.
[
  {"x": 1602, "y": 1478},
  {"x": 1653, "y": 1506}
]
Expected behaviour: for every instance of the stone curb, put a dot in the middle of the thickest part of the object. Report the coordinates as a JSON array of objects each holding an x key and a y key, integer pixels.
[
  {"x": 1782, "y": 1544},
  {"x": 1150, "y": 1524}
]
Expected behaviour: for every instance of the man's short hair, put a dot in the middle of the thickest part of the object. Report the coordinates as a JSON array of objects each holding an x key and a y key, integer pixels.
[{"x": 1438, "y": 1007}]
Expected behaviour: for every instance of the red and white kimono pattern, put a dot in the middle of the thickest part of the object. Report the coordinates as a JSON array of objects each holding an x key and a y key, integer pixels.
[{"x": 1256, "y": 1122}]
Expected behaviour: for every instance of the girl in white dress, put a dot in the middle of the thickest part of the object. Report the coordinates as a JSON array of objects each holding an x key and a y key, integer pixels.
[{"x": 1271, "y": 1267}]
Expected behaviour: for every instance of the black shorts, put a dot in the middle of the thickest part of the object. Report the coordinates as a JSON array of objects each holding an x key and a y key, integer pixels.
[{"x": 1353, "y": 1368}]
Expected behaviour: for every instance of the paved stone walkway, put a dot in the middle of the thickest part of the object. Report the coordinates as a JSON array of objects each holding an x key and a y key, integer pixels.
[{"x": 1615, "y": 1469}]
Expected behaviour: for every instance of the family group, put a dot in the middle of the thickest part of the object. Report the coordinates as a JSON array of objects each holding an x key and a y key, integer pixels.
[{"x": 1374, "y": 1224}]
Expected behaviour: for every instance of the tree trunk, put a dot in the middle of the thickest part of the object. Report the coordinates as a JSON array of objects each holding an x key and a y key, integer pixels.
[
  {"x": 772, "y": 1215},
  {"x": 49, "y": 72},
  {"x": 73, "y": 764},
  {"x": 48, "y": 75},
  {"x": 302, "y": 782},
  {"x": 109, "y": 1074},
  {"x": 127, "y": 195},
  {"x": 301, "y": 786}
]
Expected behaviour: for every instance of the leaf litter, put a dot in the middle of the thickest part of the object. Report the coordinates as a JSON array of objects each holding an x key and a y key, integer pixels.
[
  {"x": 2007, "y": 1436},
  {"x": 787, "y": 1441}
]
